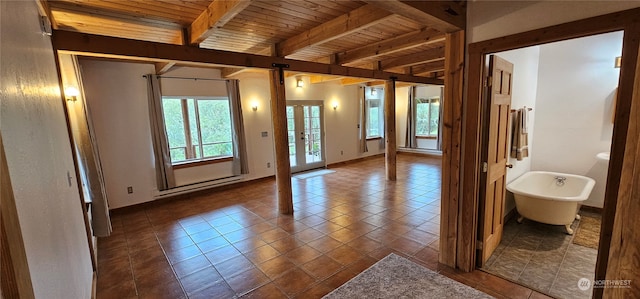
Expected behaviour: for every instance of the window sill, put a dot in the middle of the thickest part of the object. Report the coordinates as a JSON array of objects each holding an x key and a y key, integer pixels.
[
  {"x": 427, "y": 137},
  {"x": 202, "y": 162},
  {"x": 374, "y": 138}
]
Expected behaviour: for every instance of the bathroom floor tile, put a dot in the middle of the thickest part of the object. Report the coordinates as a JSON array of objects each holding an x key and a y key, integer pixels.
[{"x": 543, "y": 257}]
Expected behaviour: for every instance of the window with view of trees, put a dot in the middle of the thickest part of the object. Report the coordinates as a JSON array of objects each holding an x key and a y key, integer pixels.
[
  {"x": 427, "y": 117},
  {"x": 198, "y": 128},
  {"x": 374, "y": 118}
]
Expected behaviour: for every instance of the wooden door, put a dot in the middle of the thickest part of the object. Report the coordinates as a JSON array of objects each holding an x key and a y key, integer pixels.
[{"x": 496, "y": 155}]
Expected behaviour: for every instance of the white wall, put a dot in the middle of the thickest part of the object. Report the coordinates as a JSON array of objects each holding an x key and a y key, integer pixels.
[
  {"x": 576, "y": 87},
  {"x": 39, "y": 158},
  {"x": 117, "y": 98},
  {"x": 525, "y": 84},
  {"x": 487, "y": 19},
  {"x": 116, "y": 95}
]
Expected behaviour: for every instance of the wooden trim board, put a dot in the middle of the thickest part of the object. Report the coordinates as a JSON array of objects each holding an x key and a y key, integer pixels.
[{"x": 112, "y": 47}]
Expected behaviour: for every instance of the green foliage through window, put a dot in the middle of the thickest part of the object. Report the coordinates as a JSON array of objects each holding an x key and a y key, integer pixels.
[
  {"x": 198, "y": 128},
  {"x": 374, "y": 118},
  {"x": 427, "y": 117}
]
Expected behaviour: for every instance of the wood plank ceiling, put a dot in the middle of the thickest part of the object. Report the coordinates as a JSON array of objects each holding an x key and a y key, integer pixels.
[{"x": 405, "y": 37}]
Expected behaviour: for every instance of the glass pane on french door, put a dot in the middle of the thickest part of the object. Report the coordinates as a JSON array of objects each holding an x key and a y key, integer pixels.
[
  {"x": 291, "y": 130},
  {"x": 313, "y": 141}
]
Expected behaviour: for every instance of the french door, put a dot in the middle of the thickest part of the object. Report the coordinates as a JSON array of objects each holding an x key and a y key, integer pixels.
[{"x": 305, "y": 123}]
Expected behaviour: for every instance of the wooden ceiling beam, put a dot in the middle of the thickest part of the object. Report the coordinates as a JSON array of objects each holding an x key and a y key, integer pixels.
[
  {"x": 163, "y": 67},
  {"x": 106, "y": 46},
  {"x": 413, "y": 59},
  {"x": 354, "y": 81},
  {"x": 313, "y": 79},
  {"x": 445, "y": 16},
  {"x": 431, "y": 67},
  {"x": 228, "y": 72},
  {"x": 389, "y": 46},
  {"x": 85, "y": 8},
  {"x": 218, "y": 13},
  {"x": 348, "y": 23}
]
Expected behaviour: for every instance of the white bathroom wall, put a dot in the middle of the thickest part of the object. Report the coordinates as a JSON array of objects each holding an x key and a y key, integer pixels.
[
  {"x": 117, "y": 97},
  {"x": 576, "y": 87},
  {"x": 525, "y": 83}
]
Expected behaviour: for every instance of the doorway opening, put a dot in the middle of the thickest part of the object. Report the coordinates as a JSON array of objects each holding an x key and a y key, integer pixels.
[
  {"x": 570, "y": 129},
  {"x": 305, "y": 123},
  {"x": 619, "y": 179}
]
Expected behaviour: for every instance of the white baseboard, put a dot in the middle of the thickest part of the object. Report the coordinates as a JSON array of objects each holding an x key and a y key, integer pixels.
[{"x": 197, "y": 187}]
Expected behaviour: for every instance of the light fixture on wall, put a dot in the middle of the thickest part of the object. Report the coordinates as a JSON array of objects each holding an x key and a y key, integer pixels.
[
  {"x": 374, "y": 92},
  {"x": 618, "y": 62},
  {"x": 299, "y": 83},
  {"x": 254, "y": 107},
  {"x": 335, "y": 106},
  {"x": 71, "y": 94}
]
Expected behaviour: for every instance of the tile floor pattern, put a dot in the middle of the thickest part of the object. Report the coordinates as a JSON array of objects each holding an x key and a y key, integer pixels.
[
  {"x": 544, "y": 258},
  {"x": 233, "y": 243}
]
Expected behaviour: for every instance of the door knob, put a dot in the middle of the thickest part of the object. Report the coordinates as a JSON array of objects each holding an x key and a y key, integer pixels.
[{"x": 509, "y": 165}]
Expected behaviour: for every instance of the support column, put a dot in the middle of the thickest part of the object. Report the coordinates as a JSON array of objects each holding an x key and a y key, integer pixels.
[
  {"x": 281, "y": 141},
  {"x": 451, "y": 248},
  {"x": 390, "y": 128}
]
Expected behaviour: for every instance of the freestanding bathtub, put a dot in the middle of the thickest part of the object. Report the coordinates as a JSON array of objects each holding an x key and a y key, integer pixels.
[{"x": 550, "y": 197}]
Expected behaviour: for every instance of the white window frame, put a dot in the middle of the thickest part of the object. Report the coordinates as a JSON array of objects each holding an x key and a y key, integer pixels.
[
  {"x": 431, "y": 101},
  {"x": 189, "y": 148},
  {"x": 380, "y": 105}
]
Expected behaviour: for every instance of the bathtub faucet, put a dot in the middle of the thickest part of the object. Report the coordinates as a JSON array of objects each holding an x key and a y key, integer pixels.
[{"x": 560, "y": 180}]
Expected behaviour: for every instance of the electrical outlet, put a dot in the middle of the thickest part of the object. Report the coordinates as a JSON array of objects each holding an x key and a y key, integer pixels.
[
  {"x": 264, "y": 134},
  {"x": 129, "y": 190},
  {"x": 268, "y": 164}
]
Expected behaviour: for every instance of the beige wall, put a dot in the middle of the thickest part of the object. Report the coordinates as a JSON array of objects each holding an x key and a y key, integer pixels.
[
  {"x": 117, "y": 99},
  {"x": 39, "y": 158}
]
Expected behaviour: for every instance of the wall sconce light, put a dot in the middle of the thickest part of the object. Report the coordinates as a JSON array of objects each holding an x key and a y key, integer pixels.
[
  {"x": 299, "y": 83},
  {"x": 335, "y": 106},
  {"x": 374, "y": 92},
  {"x": 254, "y": 107},
  {"x": 71, "y": 94},
  {"x": 618, "y": 62}
]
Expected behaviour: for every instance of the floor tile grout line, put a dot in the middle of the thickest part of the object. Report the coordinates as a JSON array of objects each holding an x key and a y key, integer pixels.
[
  {"x": 564, "y": 256},
  {"x": 530, "y": 258}
]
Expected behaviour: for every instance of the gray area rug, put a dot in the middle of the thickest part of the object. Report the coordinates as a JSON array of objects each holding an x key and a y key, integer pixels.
[{"x": 398, "y": 277}]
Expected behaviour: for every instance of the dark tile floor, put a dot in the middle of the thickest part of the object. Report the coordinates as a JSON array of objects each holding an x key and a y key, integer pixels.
[
  {"x": 233, "y": 243},
  {"x": 544, "y": 258}
]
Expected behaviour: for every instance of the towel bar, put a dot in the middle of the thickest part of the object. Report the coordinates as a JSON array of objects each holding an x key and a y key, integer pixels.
[{"x": 514, "y": 110}]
